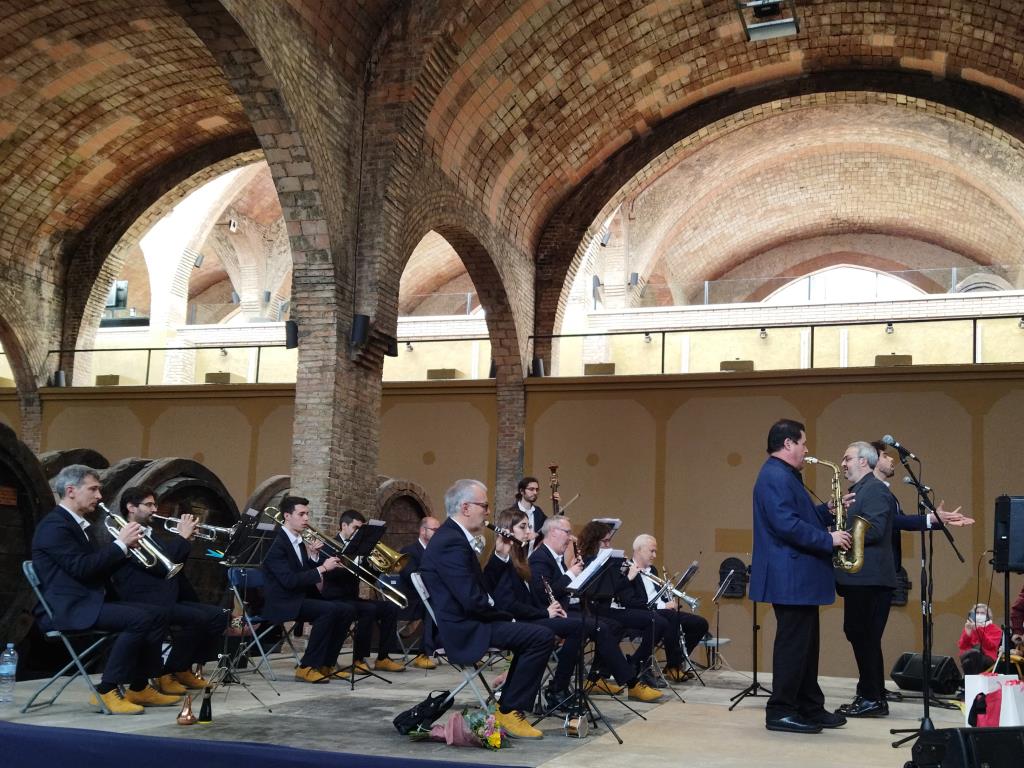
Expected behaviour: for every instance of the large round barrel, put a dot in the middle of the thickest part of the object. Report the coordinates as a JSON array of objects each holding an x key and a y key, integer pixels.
[
  {"x": 269, "y": 493},
  {"x": 54, "y": 461},
  {"x": 402, "y": 504},
  {"x": 181, "y": 486},
  {"x": 25, "y": 496}
]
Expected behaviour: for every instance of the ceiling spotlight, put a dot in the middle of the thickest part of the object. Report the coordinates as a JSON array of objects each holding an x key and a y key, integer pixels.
[
  {"x": 889, "y": 328},
  {"x": 408, "y": 346},
  {"x": 764, "y": 333},
  {"x": 647, "y": 337},
  {"x": 765, "y": 19}
]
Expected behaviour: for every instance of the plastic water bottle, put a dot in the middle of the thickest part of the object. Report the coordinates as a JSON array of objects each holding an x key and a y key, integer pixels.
[{"x": 8, "y": 668}]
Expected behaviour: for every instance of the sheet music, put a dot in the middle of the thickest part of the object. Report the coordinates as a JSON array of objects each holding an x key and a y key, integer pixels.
[{"x": 594, "y": 567}]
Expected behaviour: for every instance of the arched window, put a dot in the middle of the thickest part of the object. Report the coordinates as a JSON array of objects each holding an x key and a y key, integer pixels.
[{"x": 844, "y": 283}]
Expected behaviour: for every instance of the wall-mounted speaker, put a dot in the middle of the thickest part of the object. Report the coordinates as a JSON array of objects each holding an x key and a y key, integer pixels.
[
  {"x": 360, "y": 330},
  {"x": 291, "y": 334}
]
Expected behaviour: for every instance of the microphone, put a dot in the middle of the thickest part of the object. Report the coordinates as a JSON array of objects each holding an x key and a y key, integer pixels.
[
  {"x": 910, "y": 481},
  {"x": 890, "y": 440}
]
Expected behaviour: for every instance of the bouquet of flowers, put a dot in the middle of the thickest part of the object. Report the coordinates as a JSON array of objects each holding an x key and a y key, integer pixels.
[{"x": 476, "y": 728}]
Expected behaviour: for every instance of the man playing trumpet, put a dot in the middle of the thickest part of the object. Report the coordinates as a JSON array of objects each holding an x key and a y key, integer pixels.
[{"x": 198, "y": 628}]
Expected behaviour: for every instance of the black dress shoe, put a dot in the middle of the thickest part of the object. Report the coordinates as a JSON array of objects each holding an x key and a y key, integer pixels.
[
  {"x": 827, "y": 719},
  {"x": 792, "y": 724},
  {"x": 857, "y": 701},
  {"x": 867, "y": 708},
  {"x": 557, "y": 700}
]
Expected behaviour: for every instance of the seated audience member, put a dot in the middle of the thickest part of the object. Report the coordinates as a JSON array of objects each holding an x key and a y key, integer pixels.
[{"x": 979, "y": 642}]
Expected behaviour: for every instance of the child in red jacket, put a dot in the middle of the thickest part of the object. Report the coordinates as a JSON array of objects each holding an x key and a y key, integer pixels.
[{"x": 980, "y": 641}]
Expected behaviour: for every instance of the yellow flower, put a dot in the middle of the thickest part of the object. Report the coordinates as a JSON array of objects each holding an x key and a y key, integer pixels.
[{"x": 494, "y": 739}]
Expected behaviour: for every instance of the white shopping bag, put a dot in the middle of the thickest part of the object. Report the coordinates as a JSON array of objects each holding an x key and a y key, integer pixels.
[
  {"x": 984, "y": 683},
  {"x": 1012, "y": 712}
]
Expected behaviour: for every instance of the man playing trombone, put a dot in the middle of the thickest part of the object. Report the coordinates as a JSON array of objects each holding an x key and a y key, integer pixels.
[
  {"x": 198, "y": 628},
  {"x": 294, "y": 573},
  {"x": 73, "y": 567},
  {"x": 646, "y": 590}
]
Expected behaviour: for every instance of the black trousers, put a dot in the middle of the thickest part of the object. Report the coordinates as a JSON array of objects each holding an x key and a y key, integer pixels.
[
  {"x": 570, "y": 630},
  {"x": 865, "y": 614},
  {"x": 688, "y": 626},
  {"x": 135, "y": 653},
  {"x": 380, "y": 612},
  {"x": 531, "y": 645},
  {"x": 795, "y": 689},
  {"x": 606, "y": 634},
  {"x": 331, "y": 621},
  {"x": 197, "y": 631},
  {"x": 650, "y": 625}
]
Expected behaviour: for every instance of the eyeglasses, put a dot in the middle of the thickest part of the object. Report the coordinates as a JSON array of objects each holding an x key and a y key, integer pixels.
[
  {"x": 483, "y": 504},
  {"x": 563, "y": 530}
]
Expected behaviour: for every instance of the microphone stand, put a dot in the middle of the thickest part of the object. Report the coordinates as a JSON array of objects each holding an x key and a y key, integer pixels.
[{"x": 924, "y": 505}]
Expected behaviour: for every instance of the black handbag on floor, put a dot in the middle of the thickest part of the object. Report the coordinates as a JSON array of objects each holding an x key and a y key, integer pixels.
[{"x": 425, "y": 713}]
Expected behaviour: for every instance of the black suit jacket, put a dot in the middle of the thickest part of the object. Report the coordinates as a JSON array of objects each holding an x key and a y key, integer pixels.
[
  {"x": 510, "y": 593},
  {"x": 876, "y": 504},
  {"x": 544, "y": 567},
  {"x": 136, "y": 584},
  {"x": 633, "y": 594},
  {"x": 455, "y": 582},
  {"x": 72, "y": 572},
  {"x": 288, "y": 580},
  {"x": 903, "y": 522}
]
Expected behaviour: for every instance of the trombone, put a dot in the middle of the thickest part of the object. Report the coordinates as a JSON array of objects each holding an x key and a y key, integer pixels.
[
  {"x": 383, "y": 558},
  {"x": 147, "y": 553},
  {"x": 203, "y": 531}
]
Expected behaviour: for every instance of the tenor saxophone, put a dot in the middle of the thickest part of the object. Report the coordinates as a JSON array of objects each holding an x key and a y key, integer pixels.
[{"x": 850, "y": 560}]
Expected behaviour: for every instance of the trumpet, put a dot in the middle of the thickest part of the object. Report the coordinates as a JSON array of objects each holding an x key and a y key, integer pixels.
[
  {"x": 665, "y": 589},
  {"x": 331, "y": 548},
  {"x": 203, "y": 531},
  {"x": 147, "y": 553}
]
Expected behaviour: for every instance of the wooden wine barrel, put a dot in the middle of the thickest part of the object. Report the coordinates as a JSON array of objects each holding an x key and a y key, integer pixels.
[
  {"x": 25, "y": 497},
  {"x": 181, "y": 486},
  {"x": 269, "y": 493},
  {"x": 54, "y": 461},
  {"x": 402, "y": 504}
]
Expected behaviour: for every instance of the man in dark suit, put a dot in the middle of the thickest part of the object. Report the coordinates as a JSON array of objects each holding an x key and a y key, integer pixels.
[
  {"x": 527, "y": 492},
  {"x": 867, "y": 594},
  {"x": 343, "y": 585},
  {"x": 548, "y": 569},
  {"x": 73, "y": 568},
  {"x": 467, "y": 622},
  {"x": 415, "y": 611},
  {"x": 197, "y": 628},
  {"x": 792, "y": 570},
  {"x": 294, "y": 573}
]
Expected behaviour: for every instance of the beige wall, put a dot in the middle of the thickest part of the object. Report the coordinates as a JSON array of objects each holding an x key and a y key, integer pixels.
[{"x": 676, "y": 456}]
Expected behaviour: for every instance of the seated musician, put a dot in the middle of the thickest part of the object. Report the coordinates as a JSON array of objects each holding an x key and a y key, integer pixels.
[
  {"x": 467, "y": 622},
  {"x": 343, "y": 585},
  {"x": 638, "y": 594},
  {"x": 548, "y": 566},
  {"x": 196, "y": 629},
  {"x": 73, "y": 568},
  {"x": 294, "y": 572},
  {"x": 509, "y": 581},
  {"x": 636, "y": 620},
  {"x": 415, "y": 611}
]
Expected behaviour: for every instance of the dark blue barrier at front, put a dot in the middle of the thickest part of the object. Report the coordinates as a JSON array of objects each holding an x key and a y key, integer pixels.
[{"x": 30, "y": 746}]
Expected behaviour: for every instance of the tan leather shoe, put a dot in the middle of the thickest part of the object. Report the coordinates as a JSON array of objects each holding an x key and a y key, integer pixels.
[
  {"x": 424, "y": 662},
  {"x": 677, "y": 675},
  {"x": 310, "y": 675},
  {"x": 361, "y": 667},
  {"x": 388, "y": 665},
  {"x": 169, "y": 686},
  {"x": 643, "y": 692},
  {"x": 606, "y": 687},
  {"x": 190, "y": 680},
  {"x": 151, "y": 697},
  {"x": 516, "y": 725},
  {"x": 333, "y": 671},
  {"x": 116, "y": 703}
]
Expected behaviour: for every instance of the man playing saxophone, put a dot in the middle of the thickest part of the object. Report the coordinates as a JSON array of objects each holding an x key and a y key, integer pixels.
[
  {"x": 792, "y": 569},
  {"x": 867, "y": 591}
]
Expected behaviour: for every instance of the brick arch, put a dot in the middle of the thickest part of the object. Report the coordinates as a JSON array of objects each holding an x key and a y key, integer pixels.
[
  {"x": 25, "y": 369},
  {"x": 571, "y": 229}
]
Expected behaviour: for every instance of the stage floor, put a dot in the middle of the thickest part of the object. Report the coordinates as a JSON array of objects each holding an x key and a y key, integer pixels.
[{"x": 700, "y": 732}]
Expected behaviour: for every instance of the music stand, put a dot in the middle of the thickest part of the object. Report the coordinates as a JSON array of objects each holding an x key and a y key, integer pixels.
[
  {"x": 755, "y": 688},
  {"x": 717, "y": 600},
  {"x": 250, "y": 541}
]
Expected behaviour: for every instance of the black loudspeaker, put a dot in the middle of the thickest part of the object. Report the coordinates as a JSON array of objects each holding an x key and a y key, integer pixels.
[
  {"x": 908, "y": 674},
  {"x": 360, "y": 330},
  {"x": 291, "y": 334},
  {"x": 1008, "y": 545},
  {"x": 969, "y": 748}
]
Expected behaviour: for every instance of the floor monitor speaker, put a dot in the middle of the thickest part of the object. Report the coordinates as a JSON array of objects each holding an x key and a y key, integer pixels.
[
  {"x": 969, "y": 748},
  {"x": 908, "y": 674}
]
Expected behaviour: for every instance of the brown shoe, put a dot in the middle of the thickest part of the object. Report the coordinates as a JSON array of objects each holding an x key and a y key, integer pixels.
[
  {"x": 169, "y": 686},
  {"x": 388, "y": 665},
  {"x": 190, "y": 680},
  {"x": 361, "y": 667},
  {"x": 677, "y": 675},
  {"x": 151, "y": 697},
  {"x": 516, "y": 725},
  {"x": 310, "y": 675},
  {"x": 333, "y": 671},
  {"x": 605, "y": 687},
  {"x": 643, "y": 692},
  {"x": 424, "y": 662},
  {"x": 116, "y": 703}
]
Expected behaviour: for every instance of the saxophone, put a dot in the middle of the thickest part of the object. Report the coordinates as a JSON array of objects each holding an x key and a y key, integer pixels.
[{"x": 851, "y": 560}]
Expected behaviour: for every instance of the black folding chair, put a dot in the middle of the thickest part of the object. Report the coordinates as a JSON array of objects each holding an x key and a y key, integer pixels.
[{"x": 79, "y": 660}]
